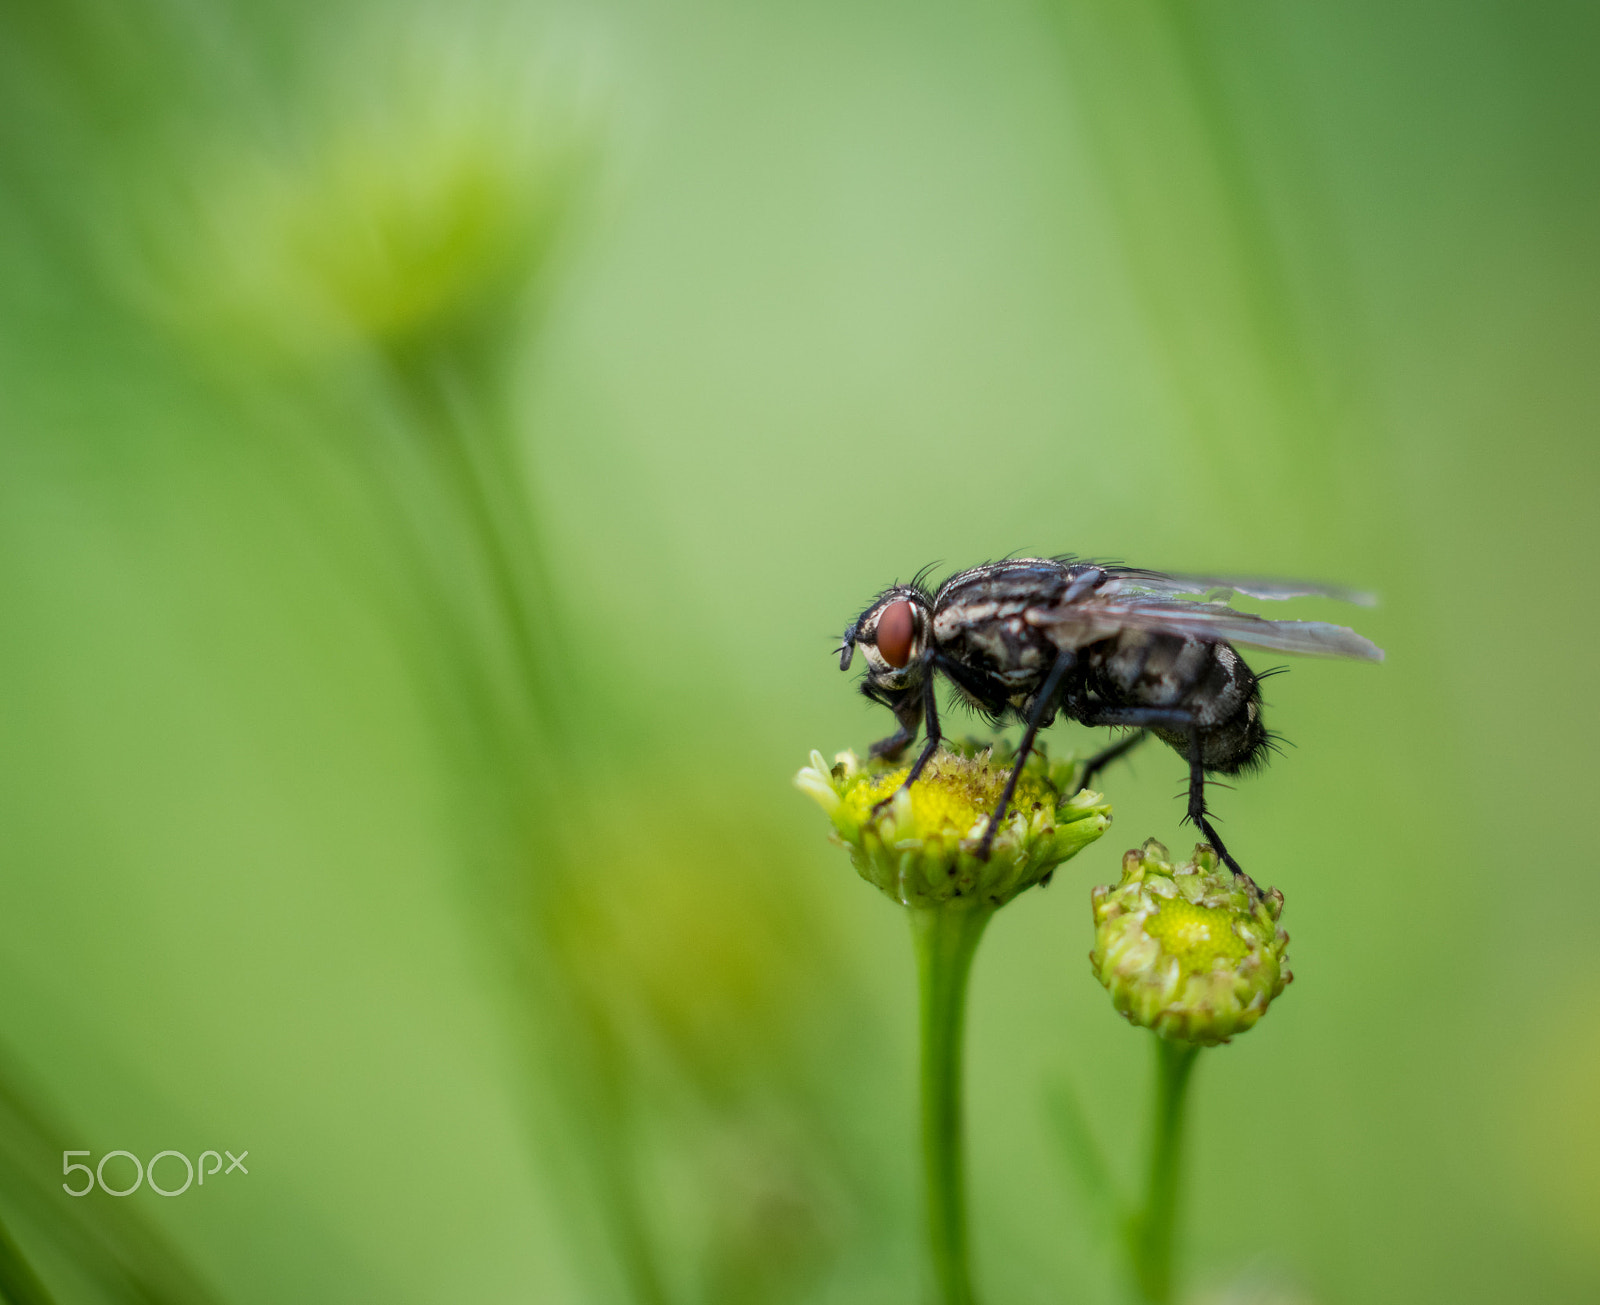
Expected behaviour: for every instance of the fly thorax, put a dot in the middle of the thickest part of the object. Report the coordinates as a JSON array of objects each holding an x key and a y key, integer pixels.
[{"x": 996, "y": 638}]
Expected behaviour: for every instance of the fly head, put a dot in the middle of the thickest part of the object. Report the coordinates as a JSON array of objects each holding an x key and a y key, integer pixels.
[{"x": 895, "y": 637}]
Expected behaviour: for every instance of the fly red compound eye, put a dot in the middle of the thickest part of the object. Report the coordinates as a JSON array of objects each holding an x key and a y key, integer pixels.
[{"x": 895, "y": 631}]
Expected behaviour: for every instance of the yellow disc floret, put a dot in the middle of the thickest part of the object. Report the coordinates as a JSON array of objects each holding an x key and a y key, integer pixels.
[
  {"x": 953, "y": 794},
  {"x": 1199, "y": 936}
]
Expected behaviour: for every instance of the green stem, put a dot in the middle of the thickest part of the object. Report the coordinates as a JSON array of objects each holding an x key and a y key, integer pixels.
[
  {"x": 1151, "y": 1230},
  {"x": 945, "y": 939}
]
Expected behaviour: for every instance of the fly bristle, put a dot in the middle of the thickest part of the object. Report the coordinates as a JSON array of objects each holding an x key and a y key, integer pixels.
[
  {"x": 1275, "y": 742},
  {"x": 1208, "y": 782}
]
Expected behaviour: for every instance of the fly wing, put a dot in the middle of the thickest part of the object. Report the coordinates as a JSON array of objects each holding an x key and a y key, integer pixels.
[
  {"x": 1099, "y": 617},
  {"x": 1134, "y": 580}
]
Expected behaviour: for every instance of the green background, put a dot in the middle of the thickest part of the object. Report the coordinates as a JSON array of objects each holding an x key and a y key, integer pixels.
[{"x": 420, "y": 820}]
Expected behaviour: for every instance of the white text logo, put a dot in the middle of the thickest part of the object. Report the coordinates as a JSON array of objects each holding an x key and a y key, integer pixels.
[{"x": 194, "y": 1173}]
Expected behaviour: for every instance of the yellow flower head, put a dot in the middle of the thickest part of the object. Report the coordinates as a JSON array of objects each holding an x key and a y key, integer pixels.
[{"x": 921, "y": 847}]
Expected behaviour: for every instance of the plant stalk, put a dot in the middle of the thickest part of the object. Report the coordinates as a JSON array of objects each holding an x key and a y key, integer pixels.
[
  {"x": 945, "y": 939},
  {"x": 1150, "y": 1234}
]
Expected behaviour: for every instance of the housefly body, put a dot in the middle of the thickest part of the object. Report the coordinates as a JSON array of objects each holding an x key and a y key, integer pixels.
[{"x": 1033, "y": 638}]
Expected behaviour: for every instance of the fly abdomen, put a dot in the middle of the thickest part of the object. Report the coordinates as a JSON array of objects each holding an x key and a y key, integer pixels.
[{"x": 1207, "y": 681}]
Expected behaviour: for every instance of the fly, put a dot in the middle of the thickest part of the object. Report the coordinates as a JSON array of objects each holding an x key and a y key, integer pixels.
[{"x": 1033, "y": 638}]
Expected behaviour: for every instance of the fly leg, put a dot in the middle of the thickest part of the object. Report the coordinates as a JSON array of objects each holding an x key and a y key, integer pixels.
[
  {"x": 1036, "y": 716},
  {"x": 1101, "y": 760},
  {"x": 930, "y": 713},
  {"x": 894, "y": 745},
  {"x": 1177, "y": 720},
  {"x": 1197, "y": 809}
]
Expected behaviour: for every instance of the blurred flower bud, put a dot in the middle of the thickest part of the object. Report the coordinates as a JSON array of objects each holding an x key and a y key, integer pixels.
[
  {"x": 1189, "y": 952},
  {"x": 412, "y": 209},
  {"x": 921, "y": 848}
]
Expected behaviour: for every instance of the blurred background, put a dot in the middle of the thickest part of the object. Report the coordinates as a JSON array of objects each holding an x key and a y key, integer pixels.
[{"x": 439, "y": 447}]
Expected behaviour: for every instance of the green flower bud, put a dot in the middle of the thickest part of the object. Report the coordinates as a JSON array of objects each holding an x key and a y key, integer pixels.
[
  {"x": 1190, "y": 952},
  {"x": 921, "y": 848}
]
